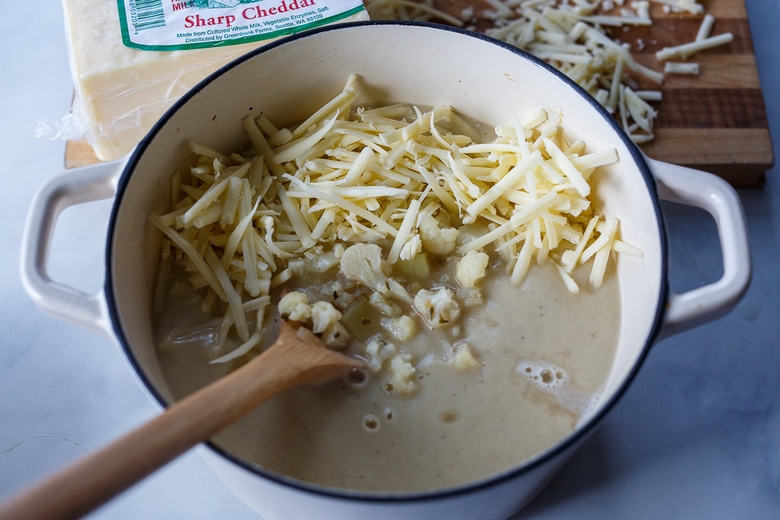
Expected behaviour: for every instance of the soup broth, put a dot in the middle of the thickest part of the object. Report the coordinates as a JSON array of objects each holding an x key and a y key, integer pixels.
[{"x": 542, "y": 356}]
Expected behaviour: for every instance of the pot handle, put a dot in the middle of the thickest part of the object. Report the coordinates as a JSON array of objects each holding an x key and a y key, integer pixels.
[
  {"x": 713, "y": 194},
  {"x": 79, "y": 186}
]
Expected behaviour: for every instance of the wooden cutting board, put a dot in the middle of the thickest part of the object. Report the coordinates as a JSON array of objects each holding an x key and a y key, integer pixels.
[{"x": 715, "y": 121}]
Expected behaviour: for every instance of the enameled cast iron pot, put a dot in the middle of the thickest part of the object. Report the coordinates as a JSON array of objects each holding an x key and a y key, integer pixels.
[{"x": 425, "y": 65}]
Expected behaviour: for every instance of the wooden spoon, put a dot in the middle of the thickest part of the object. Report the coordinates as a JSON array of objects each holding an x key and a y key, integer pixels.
[{"x": 296, "y": 357}]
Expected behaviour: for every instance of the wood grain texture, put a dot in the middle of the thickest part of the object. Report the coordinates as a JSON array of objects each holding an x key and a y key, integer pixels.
[
  {"x": 78, "y": 154},
  {"x": 715, "y": 121}
]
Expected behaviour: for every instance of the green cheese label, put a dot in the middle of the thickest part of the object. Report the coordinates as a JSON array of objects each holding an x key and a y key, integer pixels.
[{"x": 166, "y": 25}]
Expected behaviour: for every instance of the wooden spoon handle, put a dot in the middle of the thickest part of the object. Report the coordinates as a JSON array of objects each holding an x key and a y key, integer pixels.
[{"x": 94, "y": 480}]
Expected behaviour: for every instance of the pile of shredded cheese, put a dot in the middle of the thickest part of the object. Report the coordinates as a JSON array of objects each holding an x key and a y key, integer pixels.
[
  {"x": 572, "y": 36},
  {"x": 413, "y": 181}
]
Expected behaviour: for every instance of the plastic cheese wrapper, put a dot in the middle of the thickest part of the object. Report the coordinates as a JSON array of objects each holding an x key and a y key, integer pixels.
[{"x": 132, "y": 59}]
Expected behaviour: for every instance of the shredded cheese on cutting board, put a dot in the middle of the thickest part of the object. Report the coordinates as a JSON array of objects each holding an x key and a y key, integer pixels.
[{"x": 577, "y": 37}]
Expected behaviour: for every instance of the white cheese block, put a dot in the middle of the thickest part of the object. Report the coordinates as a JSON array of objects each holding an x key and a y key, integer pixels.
[{"x": 120, "y": 92}]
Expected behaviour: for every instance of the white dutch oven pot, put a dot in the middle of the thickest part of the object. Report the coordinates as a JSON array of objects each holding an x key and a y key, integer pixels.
[{"x": 426, "y": 65}]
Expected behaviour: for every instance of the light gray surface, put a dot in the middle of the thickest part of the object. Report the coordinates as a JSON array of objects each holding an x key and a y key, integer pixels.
[{"x": 696, "y": 436}]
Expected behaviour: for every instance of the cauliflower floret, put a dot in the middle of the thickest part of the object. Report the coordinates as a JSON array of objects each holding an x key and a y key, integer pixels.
[
  {"x": 342, "y": 298},
  {"x": 323, "y": 315},
  {"x": 402, "y": 374},
  {"x": 402, "y": 328},
  {"x": 294, "y": 306},
  {"x": 363, "y": 263},
  {"x": 437, "y": 307},
  {"x": 471, "y": 268},
  {"x": 325, "y": 322},
  {"x": 401, "y": 371},
  {"x": 379, "y": 351},
  {"x": 336, "y": 336},
  {"x": 436, "y": 239},
  {"x": 382, "y": 305},
  {"x": 470, "y": 297},
  {"x": 462, "y": 357}
]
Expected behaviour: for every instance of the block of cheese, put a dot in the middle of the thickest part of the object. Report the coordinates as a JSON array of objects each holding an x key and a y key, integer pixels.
[{"x": 120, "y": 91}]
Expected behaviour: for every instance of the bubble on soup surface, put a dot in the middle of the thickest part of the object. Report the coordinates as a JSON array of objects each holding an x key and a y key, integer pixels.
[
  {"x": 371, "y": 422},
  {"x": 555, "y": 381},
  {"x": 546, "y": 376},
  {"x": 357, "y": 377}
]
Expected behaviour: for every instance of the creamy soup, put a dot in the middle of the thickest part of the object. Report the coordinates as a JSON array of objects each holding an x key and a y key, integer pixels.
[
  {"x": 543, "y": 354},
  {"x": 473, "y": 275}
]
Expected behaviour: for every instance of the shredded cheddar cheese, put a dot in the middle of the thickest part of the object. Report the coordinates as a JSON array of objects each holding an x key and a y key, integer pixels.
[
  {"x": 370, "y": 187},
  {"x": 686, "y": 50},
  {"x": 675, "y": 67},
  {"x": 573, "y": 36}
]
